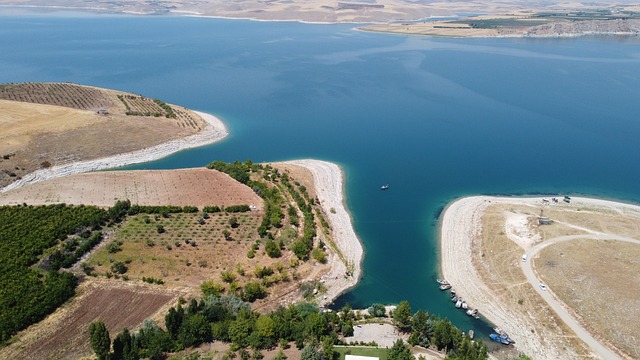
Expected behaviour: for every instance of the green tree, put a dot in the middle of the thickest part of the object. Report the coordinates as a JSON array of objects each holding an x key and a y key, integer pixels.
[
  {"x": 123, "y": 348},
  {"x": 195, "y": 329},
  {"x": 402, "y": 315},
  {"x": 309, "y": 352},
  {"x": 327, "y": 347},
  {"x": 399, "y": 351},
  {"x": 100, "y": 340},
  {"x": 173, "y": 321},
  {"x": 265, "y": 326},
  {"x": 377, "y": 310}
]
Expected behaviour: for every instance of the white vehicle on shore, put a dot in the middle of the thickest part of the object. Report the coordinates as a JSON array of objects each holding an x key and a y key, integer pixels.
[
  {"x": 543, "y": 287},
  {"x": 524, "y": 258}
]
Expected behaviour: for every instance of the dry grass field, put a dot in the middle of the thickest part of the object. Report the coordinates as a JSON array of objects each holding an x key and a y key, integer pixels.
[
  {"x": 64, "y": 334},
  {"x": 609, "y": 301},
  {"x": 597, "y": 279},
  {"x": 193, "y": 187},
  {"x": 46, "y": 124}
]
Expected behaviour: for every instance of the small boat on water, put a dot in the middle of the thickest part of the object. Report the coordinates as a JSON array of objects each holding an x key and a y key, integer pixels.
[
  {"x": 384, "y": 187},
  {"x": 464, "y": 305},
  {"x": 453, "y": 293},
  {"x": 470, "y": 334},
  {"x": 458, "y": 303},
  {"x": 445, "y": 287},
  {"x": 442, "y": 282},
  {"x": 454, "y": 299},
  {"x": 472, "y": 312}
]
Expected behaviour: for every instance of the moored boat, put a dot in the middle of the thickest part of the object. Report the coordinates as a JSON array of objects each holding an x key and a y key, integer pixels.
[
  {"x": 500, "y": 339},
  {"x": 459, "y": 303},
  {"x": 442, "y": 282},
  {"x": 445, "y": 287}
]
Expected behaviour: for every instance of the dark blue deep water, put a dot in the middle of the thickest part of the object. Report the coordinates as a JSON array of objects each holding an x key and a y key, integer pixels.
[{"x": 435, "y": 118}]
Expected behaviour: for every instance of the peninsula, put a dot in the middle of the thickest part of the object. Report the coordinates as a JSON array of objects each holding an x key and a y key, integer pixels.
[{"x": 548, "y": 271}]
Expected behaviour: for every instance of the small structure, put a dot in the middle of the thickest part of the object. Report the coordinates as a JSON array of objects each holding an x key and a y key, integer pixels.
[
  {"x": 102, "y": 112},
  {"x": 543, "y": 220}
]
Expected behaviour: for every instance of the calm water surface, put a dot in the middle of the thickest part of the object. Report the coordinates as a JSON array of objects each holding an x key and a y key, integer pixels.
[{"x": 437, "y": 119}]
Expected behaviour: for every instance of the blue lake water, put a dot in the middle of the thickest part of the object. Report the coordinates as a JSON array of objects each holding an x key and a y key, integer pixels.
[{"x": 435, "y": 118}]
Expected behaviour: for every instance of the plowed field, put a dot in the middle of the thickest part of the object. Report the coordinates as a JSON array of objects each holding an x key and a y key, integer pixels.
[
  {"x": 65, "y": 335},
  {"x": 195, "y": 187}
]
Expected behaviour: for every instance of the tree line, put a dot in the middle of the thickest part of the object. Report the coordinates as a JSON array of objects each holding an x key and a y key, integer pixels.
[{"x": 314, "y": 332}]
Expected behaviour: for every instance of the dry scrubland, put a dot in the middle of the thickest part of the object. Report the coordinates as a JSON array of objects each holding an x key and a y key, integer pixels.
[
  {"x": 185, "y": 187},
  {"x": 597, "y": 279},
  {"x": 41, "y": 124}
]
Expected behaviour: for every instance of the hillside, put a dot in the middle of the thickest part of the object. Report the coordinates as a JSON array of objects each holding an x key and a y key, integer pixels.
[{"x": 48, "y": 124}]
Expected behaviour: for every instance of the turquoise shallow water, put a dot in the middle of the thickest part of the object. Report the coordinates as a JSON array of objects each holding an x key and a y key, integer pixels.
[{"x": 437, "y": 119}]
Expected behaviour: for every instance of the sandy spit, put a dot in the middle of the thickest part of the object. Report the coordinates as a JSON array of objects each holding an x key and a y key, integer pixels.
[
  {"x": 329, "y": 184},
  {"x": 461, "y": 225},
  {"x": 213, "y": 132}
]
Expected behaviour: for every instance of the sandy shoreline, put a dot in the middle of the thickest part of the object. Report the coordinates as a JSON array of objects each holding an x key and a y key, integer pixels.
[
  {"x": 461, "y": 226},
  {"x": 329, "y": 185},
  {"x": 213, "y": 132}
]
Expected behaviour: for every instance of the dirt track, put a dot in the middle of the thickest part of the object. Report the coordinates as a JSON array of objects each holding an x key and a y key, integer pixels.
[{"x": 196, "y": 187}]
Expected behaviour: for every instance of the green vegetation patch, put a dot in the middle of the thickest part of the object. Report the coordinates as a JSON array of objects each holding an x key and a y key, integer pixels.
[{"x": 27, "y": 292}]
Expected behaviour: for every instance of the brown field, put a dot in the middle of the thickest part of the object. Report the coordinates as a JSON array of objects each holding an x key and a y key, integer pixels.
[
  {"x": 195, "y": 187},
  {"x": 42, "y": 125},
  {"x": 599, "y": 280},
  {"x": 64, "y": 334},
  {"x": 588, "y": 275}
]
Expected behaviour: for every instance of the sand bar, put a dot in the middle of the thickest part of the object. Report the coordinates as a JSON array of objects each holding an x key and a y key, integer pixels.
[
  {"x": 329, "y": 186},
  {"x": 461, "y": 228},
  {"x": 213, "y": 132}
]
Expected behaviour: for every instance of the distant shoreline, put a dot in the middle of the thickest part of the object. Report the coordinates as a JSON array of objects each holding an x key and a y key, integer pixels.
[{"x": 214, "y": 131}]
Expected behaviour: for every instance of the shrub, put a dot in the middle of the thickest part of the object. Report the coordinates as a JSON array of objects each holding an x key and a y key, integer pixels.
[
  {"x": 272, "y": 249},
  {"x": 119, "y": 267},
  {"x": 319, "y": 255}
]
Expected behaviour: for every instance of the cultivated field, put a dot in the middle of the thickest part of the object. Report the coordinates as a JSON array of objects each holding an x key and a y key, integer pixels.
[
  {"x": 588, "y": 275},
  {"x": 64, "y": 334},
  {"x": 190, "y": 187},
  {"x": 47, "y": 124}
]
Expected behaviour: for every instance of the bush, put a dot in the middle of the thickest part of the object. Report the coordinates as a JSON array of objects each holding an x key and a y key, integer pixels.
[
  {"x": 114, "y": 247},
  {"x": 319, "y": 255},
  {"x": 253, "y": 291},
  {"x": 160, "y": 229},
  {"x": 119, "y": 267},
  {"x": 272, "y": 249}
]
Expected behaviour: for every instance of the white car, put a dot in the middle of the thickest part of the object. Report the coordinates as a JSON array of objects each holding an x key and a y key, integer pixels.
[
  {"x": 524, "y": 257},
  {"x": 543, "y": 287}
]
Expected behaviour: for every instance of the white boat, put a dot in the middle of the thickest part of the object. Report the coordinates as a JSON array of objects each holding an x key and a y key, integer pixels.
[
  {"x": 384, "y": 187},
  {"x": 464, "y": 305},
  {"x": 459, "y": 303}
]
